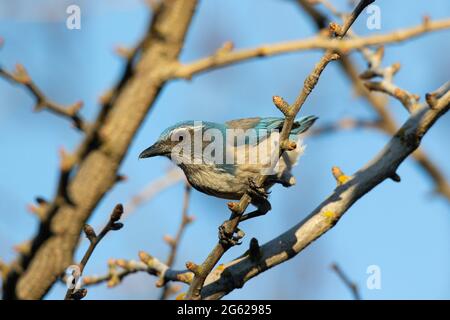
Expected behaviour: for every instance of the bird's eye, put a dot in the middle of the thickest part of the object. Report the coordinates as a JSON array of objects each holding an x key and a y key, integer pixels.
[{"x": 181, "y": 138}]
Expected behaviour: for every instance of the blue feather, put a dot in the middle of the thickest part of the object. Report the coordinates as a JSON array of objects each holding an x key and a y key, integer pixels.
[{"x": 270, "y": 123}]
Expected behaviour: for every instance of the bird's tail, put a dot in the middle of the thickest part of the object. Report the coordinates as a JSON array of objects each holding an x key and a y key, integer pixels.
[{"x": 303, "y": 124}]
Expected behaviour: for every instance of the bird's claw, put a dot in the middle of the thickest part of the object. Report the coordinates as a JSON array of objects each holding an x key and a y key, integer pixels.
[
  {"x": 230, "y": 238},
  {"x": 257, "y": 190}
]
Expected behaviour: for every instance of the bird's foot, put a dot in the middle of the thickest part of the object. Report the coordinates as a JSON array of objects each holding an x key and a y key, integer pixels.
[
  {"x": 229, "y": 237},
  {"x": 257, "y": 190}
]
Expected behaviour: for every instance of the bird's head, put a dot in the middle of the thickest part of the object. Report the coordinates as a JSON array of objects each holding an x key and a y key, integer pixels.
[
  {"x": 168, "y": 139},
  {"x": 175, "y": 139}
]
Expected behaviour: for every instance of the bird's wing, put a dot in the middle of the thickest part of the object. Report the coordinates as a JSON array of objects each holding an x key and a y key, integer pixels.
[
  {"x": 269, "y": 124},
  {"x": 244, "y": 124},
  {"x": 299, "y": 126},
  {"x": 250, "y": 145}
]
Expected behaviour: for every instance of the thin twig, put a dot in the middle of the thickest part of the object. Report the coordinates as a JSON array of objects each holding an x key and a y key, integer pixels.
[
  {"x": 346, "y": 280},
  {"x": 175, "y": 242},
  {"x": 353, "y": 16},
  {"x": 20, "y": 76},
  {"x": 374, "y": 58},
  {"x": 120, "y": 268},
  {"x": 149, "y": 264},
  {"x": 94, "y": 240}
]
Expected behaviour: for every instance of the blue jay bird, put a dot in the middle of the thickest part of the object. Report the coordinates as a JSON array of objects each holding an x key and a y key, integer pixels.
[{"x": 224, "y": 176}]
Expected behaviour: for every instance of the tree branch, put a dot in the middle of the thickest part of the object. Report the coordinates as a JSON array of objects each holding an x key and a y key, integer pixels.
[
  {"x": 386, "y": 85},
  {"x": 21, "y": 77},
  {"x": 226, "y": 55},
  {"x": 112, "y": 225},
  {"x": 149, "y": 264},
  {"x": 175, "y": 242},
  {"x": 386, "y": 120},
  {"x": 347, "y": 282},
  {"x": 234, "y": 274},
  {"x": 120, "y": 268}
]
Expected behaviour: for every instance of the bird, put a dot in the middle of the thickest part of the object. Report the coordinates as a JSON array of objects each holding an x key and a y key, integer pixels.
[{"x": 224, "y": 159}]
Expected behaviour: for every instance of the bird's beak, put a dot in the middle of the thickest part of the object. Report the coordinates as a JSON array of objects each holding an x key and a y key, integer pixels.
[{"x": 152, "y": 151}]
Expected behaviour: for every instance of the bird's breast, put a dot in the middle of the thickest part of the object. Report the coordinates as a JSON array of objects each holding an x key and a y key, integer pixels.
[{"x": 215, "y": 181}]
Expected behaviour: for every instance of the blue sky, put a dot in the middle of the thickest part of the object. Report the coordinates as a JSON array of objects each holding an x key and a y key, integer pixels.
[{"x": 403, "y": 228}]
